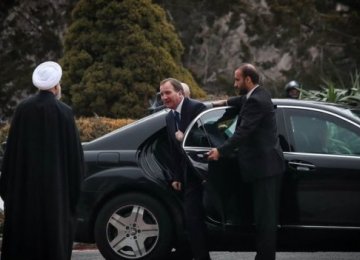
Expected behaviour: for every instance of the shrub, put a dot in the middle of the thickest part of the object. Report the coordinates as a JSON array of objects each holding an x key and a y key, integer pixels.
[
  {"x": 89, "y": 127},
  {"x": 329, "y": 93},
  {"x": 115, "y": 55}
]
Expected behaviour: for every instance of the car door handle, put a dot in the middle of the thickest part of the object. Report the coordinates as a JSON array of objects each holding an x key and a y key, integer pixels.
[
  {"x": 202, "y": 155},
  {"x": 301, "y": 166}
]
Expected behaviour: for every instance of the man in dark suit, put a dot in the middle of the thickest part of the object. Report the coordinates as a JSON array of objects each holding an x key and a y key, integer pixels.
[
  {"x": 259, "y": 154},
  {"x": 183, "y": 111}
]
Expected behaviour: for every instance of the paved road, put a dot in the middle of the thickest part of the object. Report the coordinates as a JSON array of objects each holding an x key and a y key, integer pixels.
[{"x": 95, "y": 255}]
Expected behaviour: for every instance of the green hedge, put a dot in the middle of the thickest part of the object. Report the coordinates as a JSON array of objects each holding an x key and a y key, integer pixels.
[{"x": 89, "y": 127}]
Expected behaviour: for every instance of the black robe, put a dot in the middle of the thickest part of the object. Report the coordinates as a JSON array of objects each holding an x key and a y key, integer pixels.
[{"x": 40, "y": 180}]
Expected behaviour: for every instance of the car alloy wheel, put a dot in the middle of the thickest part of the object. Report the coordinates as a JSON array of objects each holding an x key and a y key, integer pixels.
[
  {"x": 133, "y": 226},
  {"x": 132, "y": 231}
]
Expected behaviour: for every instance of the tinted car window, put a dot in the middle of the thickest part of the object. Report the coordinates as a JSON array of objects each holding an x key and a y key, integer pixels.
[
  {"x": 212, "y": 129},
  {"x": 317, "y": 132}
]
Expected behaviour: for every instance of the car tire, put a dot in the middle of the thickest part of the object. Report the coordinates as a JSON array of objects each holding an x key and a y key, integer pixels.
[{"x": 133, "y": 226}]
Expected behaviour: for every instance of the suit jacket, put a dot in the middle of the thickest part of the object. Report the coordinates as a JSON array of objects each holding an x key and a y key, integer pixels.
[
  {"x": 189, "y": 110},
  {"x": 256, "y": 139}
]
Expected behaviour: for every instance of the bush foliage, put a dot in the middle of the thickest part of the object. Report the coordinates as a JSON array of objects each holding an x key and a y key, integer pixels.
[
  {"x": 115, "y": 55},
  {"x": 90, "y": 128},
  {"x": 329, "y": 92}
]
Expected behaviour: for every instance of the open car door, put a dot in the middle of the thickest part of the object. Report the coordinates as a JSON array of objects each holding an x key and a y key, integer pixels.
[{"x": 222, "y": 182}]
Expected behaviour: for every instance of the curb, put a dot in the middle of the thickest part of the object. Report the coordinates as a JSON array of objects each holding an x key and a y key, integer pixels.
[
  {"x": 84, "y": 246},
  {"x": 76, "y": 246}
]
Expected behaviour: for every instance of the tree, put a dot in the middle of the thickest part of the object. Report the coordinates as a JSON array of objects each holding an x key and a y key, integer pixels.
[
  {"x": 115, "y": 55},
  {"x": 320, "y": 37},
  {"x": 30, "y": 34}
]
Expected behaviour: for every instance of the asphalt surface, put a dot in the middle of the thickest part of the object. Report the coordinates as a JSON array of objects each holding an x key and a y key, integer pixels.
[{"x": 95, "y": 255}]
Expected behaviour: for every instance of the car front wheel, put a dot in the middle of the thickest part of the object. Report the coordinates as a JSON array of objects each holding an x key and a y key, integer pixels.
[{"x": 133, "y": 226}]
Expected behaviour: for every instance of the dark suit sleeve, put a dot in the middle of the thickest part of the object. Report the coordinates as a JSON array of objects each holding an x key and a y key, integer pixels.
[
  {"x": 236, "y": 101},
  {"x": 251, "y": 116},
  {"x": 191, "y": 108},
  {"x": 199, "y": 108}
]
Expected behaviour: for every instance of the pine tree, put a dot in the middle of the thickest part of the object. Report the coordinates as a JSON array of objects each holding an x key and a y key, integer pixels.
[{"x": 115, "y": 55}]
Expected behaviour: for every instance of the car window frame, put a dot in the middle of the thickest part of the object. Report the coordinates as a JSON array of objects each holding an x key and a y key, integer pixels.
[{"x": 194, "y": 121}]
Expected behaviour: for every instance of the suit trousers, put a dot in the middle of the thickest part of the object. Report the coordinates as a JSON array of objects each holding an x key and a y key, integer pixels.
[
  {"x": 266, "y": 195},
  {"x": 195, "y": 219}
]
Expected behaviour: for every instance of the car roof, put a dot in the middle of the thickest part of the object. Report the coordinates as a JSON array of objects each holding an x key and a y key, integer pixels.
[
  {"x": 133, "y": 135},
  {"x": 349, "y": 112}
]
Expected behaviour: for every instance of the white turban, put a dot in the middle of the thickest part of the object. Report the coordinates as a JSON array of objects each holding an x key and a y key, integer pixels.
[{"x": 47, "y": 75}]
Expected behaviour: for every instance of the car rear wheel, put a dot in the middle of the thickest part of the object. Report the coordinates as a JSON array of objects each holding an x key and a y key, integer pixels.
[{"x": 133, "y": 226}]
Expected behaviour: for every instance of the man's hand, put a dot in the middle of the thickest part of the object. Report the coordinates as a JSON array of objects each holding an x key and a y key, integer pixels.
[
  {"x": 219, "y": 103},
  {"x": 176, "y": 185},
  {"x": 179, "y": 136},
  {"x": 213, "y": 154}
]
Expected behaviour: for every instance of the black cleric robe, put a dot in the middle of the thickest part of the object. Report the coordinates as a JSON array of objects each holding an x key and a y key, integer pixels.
[{"x": 40, "y": 180}]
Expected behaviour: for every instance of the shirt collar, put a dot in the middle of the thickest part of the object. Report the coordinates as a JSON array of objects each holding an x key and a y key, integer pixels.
[
  {"x": 179, "y": 107},
  {"x": 251, "y": 91}
]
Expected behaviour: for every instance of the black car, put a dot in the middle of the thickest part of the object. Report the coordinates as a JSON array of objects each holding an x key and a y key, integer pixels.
[{"x": 129, "y": 209}]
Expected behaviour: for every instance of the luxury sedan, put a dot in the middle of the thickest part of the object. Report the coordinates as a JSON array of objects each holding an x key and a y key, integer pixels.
[{"x": 129, "y": 210}]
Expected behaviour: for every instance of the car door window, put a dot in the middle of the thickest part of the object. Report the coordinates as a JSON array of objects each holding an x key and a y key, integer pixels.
[
  {"x": 212, "y": 129},
  {"x": 323, "y": 133}
]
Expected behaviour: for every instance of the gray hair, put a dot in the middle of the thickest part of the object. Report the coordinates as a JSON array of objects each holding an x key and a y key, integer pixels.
[
  {"x": 175, "y": 83},
  {"x": 186, "y": 89}
]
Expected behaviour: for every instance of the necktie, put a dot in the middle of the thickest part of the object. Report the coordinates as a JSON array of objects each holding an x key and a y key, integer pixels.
[{"x": 177, "y": 119}]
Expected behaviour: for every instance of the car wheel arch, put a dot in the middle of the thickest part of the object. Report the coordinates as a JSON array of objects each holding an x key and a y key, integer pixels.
[{"x": 172, "y": 207}]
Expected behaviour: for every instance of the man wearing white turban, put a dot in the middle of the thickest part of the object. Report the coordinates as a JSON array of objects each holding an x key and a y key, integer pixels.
[
  {"x": 47, "y": 76},
  {"x": 41, "y": 174}
]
